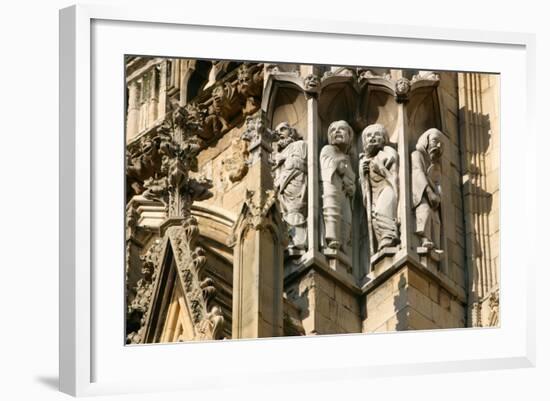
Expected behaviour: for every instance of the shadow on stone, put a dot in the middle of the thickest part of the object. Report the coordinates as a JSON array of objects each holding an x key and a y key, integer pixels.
[{"x": 400, "y": 304}]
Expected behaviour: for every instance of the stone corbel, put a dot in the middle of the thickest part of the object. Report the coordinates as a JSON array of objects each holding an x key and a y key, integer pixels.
[{"x": 312, "y": 85}]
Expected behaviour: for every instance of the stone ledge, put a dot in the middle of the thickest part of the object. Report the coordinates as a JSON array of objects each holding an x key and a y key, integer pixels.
[
  {"x": 372, "y": 282},
  {"x": 318, "y": 262}
]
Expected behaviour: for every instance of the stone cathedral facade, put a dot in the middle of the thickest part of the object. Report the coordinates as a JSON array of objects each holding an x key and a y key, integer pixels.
[{"x": 268, "y": 200}]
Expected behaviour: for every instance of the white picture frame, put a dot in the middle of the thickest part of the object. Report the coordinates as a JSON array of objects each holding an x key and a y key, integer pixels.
[{"x": 91, "y": 362}]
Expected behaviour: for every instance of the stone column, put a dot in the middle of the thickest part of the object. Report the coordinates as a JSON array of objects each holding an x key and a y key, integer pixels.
[
  {"x": 312, "y": 139},
  {"x": 161, "y": 110},
  {"x": 405, "y": 205},
  {"x": 258, "y": 247},
  {"x": 177, "y": 75},
  {"x": 142, "y": 117},
  {"x": 153, "y": 95},
  {"x": 133, "y": 110}
]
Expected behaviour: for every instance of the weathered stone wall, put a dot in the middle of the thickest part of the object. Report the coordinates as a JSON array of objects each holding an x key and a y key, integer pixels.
[
  {"x": 326, "y": 307},
  {"x": 479, "y": 118},
  {"x": 411, "y": 300},
  {"x": 213, "y": 162},
  {"x": 454, "y": 218},
  {"x": 405, "y": 287}
]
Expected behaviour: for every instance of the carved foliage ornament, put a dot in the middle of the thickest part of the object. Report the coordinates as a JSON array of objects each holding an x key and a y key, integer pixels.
[
  {"x": 173, "y": 185},
  {"x": 200, "y": 290},
  {"x": 258, "y": 208},
  {"x": 139, "y": 308},
  {"x": 255, "y": 214},
  {"x": 197, "y": 124}
]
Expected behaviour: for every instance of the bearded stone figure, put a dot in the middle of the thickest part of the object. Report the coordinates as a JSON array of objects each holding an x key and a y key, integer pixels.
[
  {"x": 338, "y": 186},
  {"x": 290, "y": 181},
  {"x": 426, "y": 190},
  {"x": 378, "y": 175}
]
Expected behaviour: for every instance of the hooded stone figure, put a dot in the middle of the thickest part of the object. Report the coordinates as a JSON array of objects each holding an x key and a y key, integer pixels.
[
  {"x": 338, "y": 187},
  {"x": 426, "y": 190}
]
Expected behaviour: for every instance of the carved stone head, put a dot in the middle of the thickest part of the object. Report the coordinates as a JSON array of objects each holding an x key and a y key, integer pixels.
[
  {"x": 244, "y": 79},
  {"x": 255, "y": 127},
  {"x": 218, "y": 97},
  {"x": 402, "y": 86},
  {"x": 374, "y": 138},
  {"x": 311, "y": 82},
  {"x": 340, "y": 134},
  {"x": 147, "y": 145},
  {"x": 194, "y": 117},
  {"x": 430, "y": 142},
  {"x": 285, "y": 135}
]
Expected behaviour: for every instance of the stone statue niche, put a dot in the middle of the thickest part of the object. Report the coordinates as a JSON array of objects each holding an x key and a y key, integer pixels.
[
  {"x": 378, "y": 175},
  {"x": 290, "y": 184},
  {"x": 426, "y": 191},
  {"x": 338, "y": 186}
]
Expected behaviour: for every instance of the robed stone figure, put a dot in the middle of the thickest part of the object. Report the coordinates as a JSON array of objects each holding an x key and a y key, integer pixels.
[
  {"x": 338, "y": 186},
  {"x": 290, "y": 181},
  {"x": 378, "y": 174},
  {"x": 426, "y": 190}
]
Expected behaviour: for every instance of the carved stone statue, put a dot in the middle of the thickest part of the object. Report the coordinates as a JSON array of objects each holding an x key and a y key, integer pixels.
[
  {"x": 338, "y": 187},
  {"x": 426, "y": 192},
  {"x": 249, "y": 88},
  {"x": 143, "y": 164},
  {"x": 378, "y": 174},
  {"x": 290, "y": 184}
]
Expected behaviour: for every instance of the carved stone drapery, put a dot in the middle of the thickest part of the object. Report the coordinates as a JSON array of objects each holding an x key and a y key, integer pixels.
[
  {"x": 290, "y": 183},
  {"x": 378, "y": 174},
  {"x": 338, "y": 186},
  {"x": 426, "y": 192}
]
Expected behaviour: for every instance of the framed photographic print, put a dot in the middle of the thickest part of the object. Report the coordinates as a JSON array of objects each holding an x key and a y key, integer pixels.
[{"x": 332, "y": 192}]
